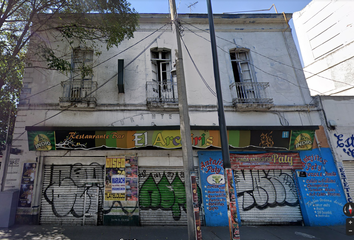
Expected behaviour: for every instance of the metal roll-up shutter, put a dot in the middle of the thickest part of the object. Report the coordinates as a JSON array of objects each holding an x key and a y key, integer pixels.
[
  {"x": 162, "y": 198},
  {"x": 348, "y": 178},
  {"x": 267, "y": 197},
  {"x": 68, "y": 190}
]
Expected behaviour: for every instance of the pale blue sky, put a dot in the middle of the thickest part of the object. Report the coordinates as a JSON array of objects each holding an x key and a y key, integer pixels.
[
  {"x": 219, "y": 6},
  {"x": 223, "y": 6}
]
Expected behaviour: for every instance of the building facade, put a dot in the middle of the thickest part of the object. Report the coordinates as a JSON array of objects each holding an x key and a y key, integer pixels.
[
  {"x": 339, "y": 130},
  {"x": 104, "y": 147},
  {"x": 325, "y": 33}
]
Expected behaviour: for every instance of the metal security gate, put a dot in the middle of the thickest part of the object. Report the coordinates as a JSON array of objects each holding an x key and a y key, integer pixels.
[
  {"x": 72, "y": 194},
  {"x": 348, "y": 178},
  {"x": 267, "y": 197},
  {"x": 162, "y": 198}
]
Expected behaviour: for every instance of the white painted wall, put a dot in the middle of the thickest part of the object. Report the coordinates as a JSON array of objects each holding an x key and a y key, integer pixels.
[
  {"x": 338, "y": 110},
  {"x": 274, "y": 58},
  {"x": 325, "y": 31}
]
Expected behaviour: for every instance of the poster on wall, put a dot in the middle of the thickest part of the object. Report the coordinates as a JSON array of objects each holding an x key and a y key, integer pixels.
[
  {"x": 115, "y": 179},
  {"x": 301, "y": 140},
  {"x": 27, "y": 185},
  {"x": 41, "y": 140},
  {"x": 322, "y": 195},
  {"x": 212, "y": 179},
  {"x": 121, "y": 191}
]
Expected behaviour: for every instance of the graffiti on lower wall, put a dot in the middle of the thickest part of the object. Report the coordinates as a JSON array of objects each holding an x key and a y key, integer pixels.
[
  {"x": 346, "y": 144},
  {"x": 165, "y": 191},
  {"x": 346, "y": 186},
  {"x": 265, "y": 188},
  {"x": 65, "y": 187}
]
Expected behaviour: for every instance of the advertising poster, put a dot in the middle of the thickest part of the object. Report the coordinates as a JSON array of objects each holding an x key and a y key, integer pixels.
[
  {"x": 41, "y": 140},
  {"x": 121, "y": 191},
  {"x": 115, "y": 167},
  {"x": 27, "y": 184},
  {"x": 301, "y": 140},
  {"x": 195, "y": 200},
  {"x": 233, "y": 224},
  {"x": 322, "y": 194},
  {"x": 213, "y": 188},
  {"x": 131, "y": 171}
]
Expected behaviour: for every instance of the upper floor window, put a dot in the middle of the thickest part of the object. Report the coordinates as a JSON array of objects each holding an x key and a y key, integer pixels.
[
  {"x": 82, "y": 63},
  {"x": 162, "y": 87},
  {"x": 245, "y": 89},
  {"x": 241, "y": 68},
  {"x": 80, "y": 88}
]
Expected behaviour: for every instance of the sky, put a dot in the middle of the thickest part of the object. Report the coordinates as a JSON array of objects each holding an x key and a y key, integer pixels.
[
  {"x": 219, "y": 6},
  {"x": 223, "y": 6}
]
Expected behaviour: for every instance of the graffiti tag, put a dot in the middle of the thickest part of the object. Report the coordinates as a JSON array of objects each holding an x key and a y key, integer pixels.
[
  {"x": 346, "y": 145},
  {"x": 265, "y": 188}
]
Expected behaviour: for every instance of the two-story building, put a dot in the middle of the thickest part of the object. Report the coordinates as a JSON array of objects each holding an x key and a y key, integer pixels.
[{"x": 104, "y": 147}]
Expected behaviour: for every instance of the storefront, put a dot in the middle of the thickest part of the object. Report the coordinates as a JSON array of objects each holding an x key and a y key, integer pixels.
[
  {"x": 297, "y": 186},
  {"x": 135, "y": 176},
  {"x": 112, "y": 177}
]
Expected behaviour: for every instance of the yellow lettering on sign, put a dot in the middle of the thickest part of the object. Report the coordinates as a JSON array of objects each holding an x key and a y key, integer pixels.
[
  {"x": 159, "y": 139},
  {"x": 108, "y": 162}
]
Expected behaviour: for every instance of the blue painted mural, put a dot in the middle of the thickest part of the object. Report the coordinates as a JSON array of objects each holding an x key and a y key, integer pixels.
[
  {"x": 213, "y": 188},
  {"x": 322, "y": 196}
]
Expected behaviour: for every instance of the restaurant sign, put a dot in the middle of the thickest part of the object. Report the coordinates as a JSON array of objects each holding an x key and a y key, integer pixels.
[{"x": 265, "y": 161}]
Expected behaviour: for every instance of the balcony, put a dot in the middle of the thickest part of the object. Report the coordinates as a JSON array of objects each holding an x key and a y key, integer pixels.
[
  {"x": 161, "y": 94},
  {"x": 249, "y": 96},
  {"x": 80, "y": 92}
]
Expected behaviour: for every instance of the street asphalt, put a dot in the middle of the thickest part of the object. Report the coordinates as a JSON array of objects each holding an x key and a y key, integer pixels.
[{"x": 36, "y": 232}]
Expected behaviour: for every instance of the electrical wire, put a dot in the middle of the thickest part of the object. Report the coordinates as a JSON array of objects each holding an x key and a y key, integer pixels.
[
  {"x": 255, "y": 65},
  {"x": 67, "y": 108},
  {"x": 100, "y": 62},
  {"x": 274, "y": 60},
  {"x": 195, "y": 66}
]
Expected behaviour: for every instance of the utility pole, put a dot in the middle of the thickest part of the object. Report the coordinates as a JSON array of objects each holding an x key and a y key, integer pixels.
[
  {"x": 187, "y": 151},
  {"x": 231, "y": 206}
]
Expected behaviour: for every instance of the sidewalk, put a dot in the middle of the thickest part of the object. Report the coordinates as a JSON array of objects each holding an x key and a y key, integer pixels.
[{"x": 36, "y": 232}]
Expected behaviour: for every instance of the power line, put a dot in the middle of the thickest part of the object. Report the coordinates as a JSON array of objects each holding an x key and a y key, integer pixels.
[
  {"x": 274, "y": 60},
  {"x": 194, "y": 64},
  {"x": 100, "y": 62},
  {"x": 67, "y": 108},
  {"x": 255, "y": 65}
]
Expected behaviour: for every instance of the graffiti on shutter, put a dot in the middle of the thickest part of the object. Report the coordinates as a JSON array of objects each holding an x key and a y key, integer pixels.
[
  {"x": 63, "y": 195},
  {"x": 162, "y": 197},
  {"x": 267, "y": 197}
]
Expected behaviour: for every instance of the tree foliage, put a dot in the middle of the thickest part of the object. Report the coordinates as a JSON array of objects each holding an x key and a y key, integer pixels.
[{"x": 92, "y": 21}]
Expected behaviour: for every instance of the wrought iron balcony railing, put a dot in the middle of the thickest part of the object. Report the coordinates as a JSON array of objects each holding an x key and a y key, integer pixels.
[
  {"x": 79, "y": 91},
  {"x": 250, "y": 93},
  {"x": 165, "y": 92}
]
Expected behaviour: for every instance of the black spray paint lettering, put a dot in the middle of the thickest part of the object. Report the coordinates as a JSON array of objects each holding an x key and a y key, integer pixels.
[
  {"x": 68, "y": 184},
  {"x": 262, "y": 189}
]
